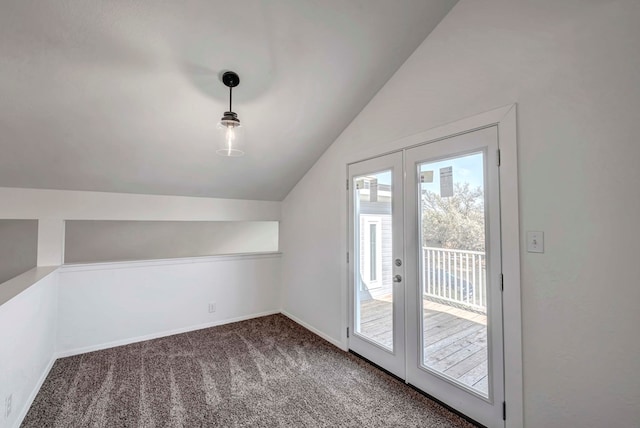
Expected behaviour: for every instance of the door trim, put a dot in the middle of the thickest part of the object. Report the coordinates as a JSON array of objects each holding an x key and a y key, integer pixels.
[{"x": 505, "y": 119}]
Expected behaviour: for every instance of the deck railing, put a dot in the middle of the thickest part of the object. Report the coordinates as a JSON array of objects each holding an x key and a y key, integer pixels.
[{"x": 455, "y": 276}]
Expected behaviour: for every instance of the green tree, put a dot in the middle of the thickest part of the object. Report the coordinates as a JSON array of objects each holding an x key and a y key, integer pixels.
[{"x": 455, "y": 222}]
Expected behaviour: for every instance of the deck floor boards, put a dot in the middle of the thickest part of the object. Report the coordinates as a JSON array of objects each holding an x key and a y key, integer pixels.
[{"x": 455, "y": 340}]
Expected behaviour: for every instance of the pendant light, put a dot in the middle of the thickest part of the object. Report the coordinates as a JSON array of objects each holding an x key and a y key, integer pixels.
[{"x": 229, "y": 129}]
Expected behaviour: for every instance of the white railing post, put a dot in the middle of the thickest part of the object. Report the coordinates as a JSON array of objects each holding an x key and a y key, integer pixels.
[{"x": 455, "y": 276}]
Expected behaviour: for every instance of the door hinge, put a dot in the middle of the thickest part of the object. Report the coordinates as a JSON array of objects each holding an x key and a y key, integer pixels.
[
  {"x": 504, "y": 410},
  {"x": 347, "y": 184},
  {"x": 347, "y": 257},
  {"x": 498, "y": 157},
  {"x": 347, "y": 332},
  {"x": 501, "y": 282}
]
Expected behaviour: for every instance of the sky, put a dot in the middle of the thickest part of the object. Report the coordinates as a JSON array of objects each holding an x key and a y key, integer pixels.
[{"x": 466, "y": 169}]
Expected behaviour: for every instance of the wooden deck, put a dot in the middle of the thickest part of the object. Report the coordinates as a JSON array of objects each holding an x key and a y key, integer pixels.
[{"x": 455, "y": 340}]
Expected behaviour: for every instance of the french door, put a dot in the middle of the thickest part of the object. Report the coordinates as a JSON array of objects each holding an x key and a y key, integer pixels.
[
  {"x": 377, "y": 326},
  {"x": 425, "y": 271}
]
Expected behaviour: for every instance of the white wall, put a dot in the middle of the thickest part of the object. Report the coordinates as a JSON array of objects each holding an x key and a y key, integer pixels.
[
  {"x": 27, "y": 341},
  {"x": 18, "y": 247},
  {"x": 48, "y": 313},
  {"x": 118, "y": 303},
  {"x": 80, "y": 205},
  {"x": 52, "y": 207},
  {"x": 110, "y": 304},
  {"x": 574, "y": 70},
  {"x": 88, "y": 241}
]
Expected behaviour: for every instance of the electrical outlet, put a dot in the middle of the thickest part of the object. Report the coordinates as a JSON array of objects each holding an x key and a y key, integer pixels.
[
  {"x": 7, "y": 405},
  {"x": 212, "y": 307}
]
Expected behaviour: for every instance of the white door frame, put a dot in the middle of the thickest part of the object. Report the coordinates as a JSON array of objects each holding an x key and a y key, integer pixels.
[{"x": 505, "y": 119}]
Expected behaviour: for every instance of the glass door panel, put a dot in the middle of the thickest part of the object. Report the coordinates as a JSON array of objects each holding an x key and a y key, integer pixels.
[
  {"x": 374, "y": 238},
  {"x": 453, "y": 269}
]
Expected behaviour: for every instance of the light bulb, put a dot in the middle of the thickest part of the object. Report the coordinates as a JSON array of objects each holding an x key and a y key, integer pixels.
[{"x": 230, "y": 139}]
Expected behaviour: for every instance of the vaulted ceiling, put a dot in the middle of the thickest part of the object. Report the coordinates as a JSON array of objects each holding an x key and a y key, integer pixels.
[{"x": 124, "y": 96}]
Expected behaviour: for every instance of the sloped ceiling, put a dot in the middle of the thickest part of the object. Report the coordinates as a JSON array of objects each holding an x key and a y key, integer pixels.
[{"x": 124, "y": 96}]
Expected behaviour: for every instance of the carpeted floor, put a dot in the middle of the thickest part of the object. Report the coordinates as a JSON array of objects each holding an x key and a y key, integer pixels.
[{"x": 265, "y": 372}]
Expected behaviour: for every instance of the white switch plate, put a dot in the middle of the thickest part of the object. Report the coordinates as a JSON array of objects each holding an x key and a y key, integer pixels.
[{"x": 535, "y": 242}]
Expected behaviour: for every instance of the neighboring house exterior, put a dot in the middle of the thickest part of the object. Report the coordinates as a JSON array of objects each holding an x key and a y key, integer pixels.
[{"x": 373, "y": 211}]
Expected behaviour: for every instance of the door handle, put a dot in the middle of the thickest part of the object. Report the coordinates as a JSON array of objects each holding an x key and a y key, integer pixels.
[{"x": 397, "y": 278}]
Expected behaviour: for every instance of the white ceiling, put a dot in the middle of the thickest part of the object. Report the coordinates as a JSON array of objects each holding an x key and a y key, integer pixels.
[{"x": 124, "y": 96}]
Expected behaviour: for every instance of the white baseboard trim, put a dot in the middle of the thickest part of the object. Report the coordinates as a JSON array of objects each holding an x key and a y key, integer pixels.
[
  {"x": 98, "y": 347},
  {"x": 34, "y": 392},
  {"x": 326, "y": 337}
]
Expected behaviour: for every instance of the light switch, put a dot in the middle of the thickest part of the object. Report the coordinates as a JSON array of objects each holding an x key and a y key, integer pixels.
[{"x": 535, "y": 242}]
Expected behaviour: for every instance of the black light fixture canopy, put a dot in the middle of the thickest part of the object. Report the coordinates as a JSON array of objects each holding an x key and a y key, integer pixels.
[
  {"x": 230, "y": 80},
  {"x": 230, "y": 145}
]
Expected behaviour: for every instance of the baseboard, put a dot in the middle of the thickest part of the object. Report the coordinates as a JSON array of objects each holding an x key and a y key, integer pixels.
[
  {"x": 329, "y": 339},
  {"x": 101, "y": 346},
  {"x": 34, "y": 392}
]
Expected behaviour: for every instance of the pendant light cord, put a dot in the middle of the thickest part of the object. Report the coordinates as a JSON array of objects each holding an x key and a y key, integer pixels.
[{"x": 230, "y": 96}]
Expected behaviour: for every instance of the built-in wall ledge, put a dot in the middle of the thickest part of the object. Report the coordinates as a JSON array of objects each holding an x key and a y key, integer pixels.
[
  {"x": 11, "y": 288},
  {"x": 127, "y": 264}
]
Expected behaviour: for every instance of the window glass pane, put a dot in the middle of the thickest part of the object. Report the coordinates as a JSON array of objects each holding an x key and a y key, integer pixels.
[
  {"x": 374, "y": 287},
  {"x": 453, "y": 270}
]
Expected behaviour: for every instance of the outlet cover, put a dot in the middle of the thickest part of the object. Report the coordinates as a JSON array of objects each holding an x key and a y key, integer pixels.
[
  {"x": 212, "y": 307},
  {"x": 535, "y": 242}
]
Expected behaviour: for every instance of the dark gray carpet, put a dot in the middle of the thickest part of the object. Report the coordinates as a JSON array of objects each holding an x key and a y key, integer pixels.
[{"x": 265, "y": 372}]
